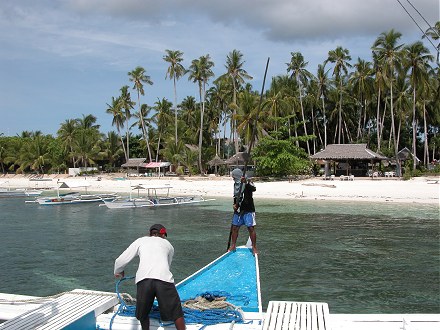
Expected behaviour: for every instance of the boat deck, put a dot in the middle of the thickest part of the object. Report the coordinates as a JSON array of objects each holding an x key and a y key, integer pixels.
[
  {"x": 77, "y": 309},
  {"x": 297, "y": 316}
]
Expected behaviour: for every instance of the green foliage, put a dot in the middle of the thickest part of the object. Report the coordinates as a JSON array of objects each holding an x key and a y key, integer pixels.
[{"x": 280, "y": 158}]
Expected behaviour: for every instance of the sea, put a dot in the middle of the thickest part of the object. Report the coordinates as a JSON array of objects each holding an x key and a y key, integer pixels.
[{"x": 359, "y": 257}]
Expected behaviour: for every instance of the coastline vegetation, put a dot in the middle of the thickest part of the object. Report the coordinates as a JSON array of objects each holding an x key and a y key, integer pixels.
[{"x": 389, "y": 103}]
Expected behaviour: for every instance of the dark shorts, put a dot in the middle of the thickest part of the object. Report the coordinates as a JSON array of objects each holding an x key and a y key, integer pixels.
[{"x": 170, "y": 307}]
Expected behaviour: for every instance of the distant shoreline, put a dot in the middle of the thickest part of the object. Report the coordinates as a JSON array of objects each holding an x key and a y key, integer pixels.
[{"x": 424, "y": 190}]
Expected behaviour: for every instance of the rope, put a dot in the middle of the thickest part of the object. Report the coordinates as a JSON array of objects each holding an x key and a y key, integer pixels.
[{"x": 208, "y": 308}]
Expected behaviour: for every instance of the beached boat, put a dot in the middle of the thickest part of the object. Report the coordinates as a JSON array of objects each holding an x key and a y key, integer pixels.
[
  {"x": 73, "y": 197},
  {"x": 19, "y": 192},
  {"x": 223, "y": 295},
  {"x": 155, "y": 197}
]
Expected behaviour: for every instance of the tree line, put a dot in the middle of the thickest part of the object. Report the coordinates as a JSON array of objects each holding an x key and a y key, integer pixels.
[{"x": 389, "y": 103}]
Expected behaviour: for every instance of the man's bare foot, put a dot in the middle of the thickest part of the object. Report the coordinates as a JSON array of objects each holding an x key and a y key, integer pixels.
[
  {"x": 254, "y": 251},
  {"x": 231, "y": 249}
]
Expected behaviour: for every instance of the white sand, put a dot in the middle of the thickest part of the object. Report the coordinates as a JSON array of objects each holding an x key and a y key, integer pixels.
[{"x": 417, "y": 190}]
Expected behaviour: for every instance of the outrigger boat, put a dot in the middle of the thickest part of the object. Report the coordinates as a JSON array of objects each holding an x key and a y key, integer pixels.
[
  {"x": 155, "y": 197},
  {"x": 73, "y": 197},
  {"x": 18, "y": 192},
  {"x": 223, "y": 295}
]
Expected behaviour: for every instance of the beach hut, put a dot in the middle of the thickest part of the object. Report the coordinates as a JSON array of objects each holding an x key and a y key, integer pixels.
[
  {"x": 159, "y": 167},
  {"x": 133, "y": 165},
  {"x": 348, "y": 159},
  {"x": 216, "y": 161}
]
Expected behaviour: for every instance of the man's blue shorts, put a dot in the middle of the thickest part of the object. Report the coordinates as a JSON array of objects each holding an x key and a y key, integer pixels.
[{"x": 247, "y": 219}]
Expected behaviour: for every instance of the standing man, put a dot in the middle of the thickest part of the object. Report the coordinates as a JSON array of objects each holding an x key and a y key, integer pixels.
[
  {"x": 244, "y": 209},
  {"x": 153, "y": 277}
]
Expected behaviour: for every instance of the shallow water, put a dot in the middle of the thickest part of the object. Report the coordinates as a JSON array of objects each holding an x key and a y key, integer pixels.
[{"x": 358, "y": 257}]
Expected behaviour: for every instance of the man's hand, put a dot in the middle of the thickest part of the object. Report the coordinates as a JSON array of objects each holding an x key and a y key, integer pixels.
[
  {"x": 235, "y": 207},
  {"x": 120, "y": 275}
]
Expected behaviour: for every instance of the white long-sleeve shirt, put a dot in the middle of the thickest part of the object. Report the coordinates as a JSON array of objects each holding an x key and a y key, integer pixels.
[{"x": 155, "y": 257}]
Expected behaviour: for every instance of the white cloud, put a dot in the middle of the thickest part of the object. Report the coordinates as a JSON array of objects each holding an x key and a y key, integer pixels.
[{"x": 96, "y": 42}]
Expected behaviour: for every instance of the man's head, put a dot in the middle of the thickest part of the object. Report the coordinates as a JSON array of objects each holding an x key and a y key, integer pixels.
[
  {"x": 237, "y": 174},
  {"x": 158, "y": 230}
]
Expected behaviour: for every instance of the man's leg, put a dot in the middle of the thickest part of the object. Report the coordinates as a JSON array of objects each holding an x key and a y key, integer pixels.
[
  {"x": 144, "y": 301},
  {"x": 253, "y": 237},
  {"x": 180, "y": 323},
  {"x": 234, "y": 235},
  {"x": 145, "y": 323}
]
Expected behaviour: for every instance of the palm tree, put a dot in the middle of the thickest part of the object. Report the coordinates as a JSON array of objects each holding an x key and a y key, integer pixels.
[
  {"x": 126, "y": 104},
  {"x": 323, "y": 82},
  {"x": 111, "y": 150},
  {"x": 162, "y": 118},
  {"x": 247, "y": 114},
  {"x": 67, "y": 133},
  {"x": 175, "y": 71},
  {"x": 340, "y": 58},
  {"x": 298, "y": 68},
  {"x": 200, "y": 72},
  {"x": 238, "y": 75},
  {"x": 138, "y": 76},
  {"x": 118, "y": 119},
  {"x": 361, "y": 81},
  {"x": 417, "y": 57},
  {"x": 388, "y": 54},
  {"x": 144, "y": 124},
  {"x": 379, "y": 81},
  {"x": 434, "y": 33}
]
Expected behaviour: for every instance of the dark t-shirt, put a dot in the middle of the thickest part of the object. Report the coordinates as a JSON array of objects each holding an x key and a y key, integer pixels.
[{"x": 247, "y": 204}]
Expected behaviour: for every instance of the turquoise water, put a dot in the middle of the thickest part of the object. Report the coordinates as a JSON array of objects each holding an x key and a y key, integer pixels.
[{"x": 358, "y": 257}]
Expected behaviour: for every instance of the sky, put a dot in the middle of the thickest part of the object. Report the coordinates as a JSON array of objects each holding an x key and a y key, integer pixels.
[{"x": 65, "y": 59}]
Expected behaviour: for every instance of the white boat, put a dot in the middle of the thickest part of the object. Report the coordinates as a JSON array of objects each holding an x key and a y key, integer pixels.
[
  {"x": 155, "y": 197},
  {"x": 73, "y": 197},
  {"x": 19, "y": 192},
  {"x": 234, "y": 277}
]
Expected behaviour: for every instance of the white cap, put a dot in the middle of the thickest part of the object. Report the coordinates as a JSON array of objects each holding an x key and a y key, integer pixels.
[{"x": 236, "y": 174}]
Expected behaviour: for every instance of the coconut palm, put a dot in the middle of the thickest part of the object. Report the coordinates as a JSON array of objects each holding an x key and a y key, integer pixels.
[
  {"x": 361, "y": 81},
  {"x": 340, "y": 57},
  {"x": 138, "y": 77},
  {"x": 143, "y": 122},
  {"x": 323, "y": 84},
  {"x": 175, "y": 71},
  {"x": 388, "y": 53},
  {"x": 162, "y": 118},
  {"x": 379, "y": 82},
  {"x": 417, "y": 60},
  {"x": 66, "y": 133},
  {"x": 118, "y": 119},
  {"x": 238, "y": 75},
  {"x": 111, "y": 150},
  {"x": 200, "y": 72},
  {"x": 433, "y": 32},
  {"x": 297, "y": 66},
  {"x": 126, "y": 104}
]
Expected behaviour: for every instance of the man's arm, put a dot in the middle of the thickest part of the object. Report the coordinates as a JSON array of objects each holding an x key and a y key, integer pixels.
[{"x": 124, "y": 259}]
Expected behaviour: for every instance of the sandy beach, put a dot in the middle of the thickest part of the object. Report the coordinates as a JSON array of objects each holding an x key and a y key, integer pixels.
[{"x": 387, "y": 190}]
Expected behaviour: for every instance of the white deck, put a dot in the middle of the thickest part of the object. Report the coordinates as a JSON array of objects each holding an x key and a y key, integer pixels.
[
  {"x": 63, "y": 311},
  {"x": 280, "y": 315},
  {"x": 296, "y": 316}
]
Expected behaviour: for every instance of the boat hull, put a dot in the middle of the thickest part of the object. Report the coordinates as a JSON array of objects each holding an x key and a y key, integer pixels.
[{"x": 154, "y": 202}]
